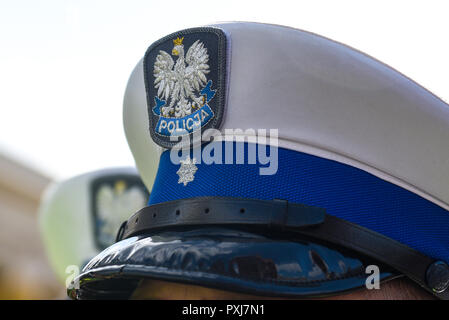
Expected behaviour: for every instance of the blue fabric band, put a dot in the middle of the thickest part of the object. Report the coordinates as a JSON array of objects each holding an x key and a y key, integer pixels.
[{"x": 344, "y": 191}]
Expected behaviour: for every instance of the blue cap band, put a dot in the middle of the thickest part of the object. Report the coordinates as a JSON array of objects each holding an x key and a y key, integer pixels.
[{"x": 345, "y": 191}]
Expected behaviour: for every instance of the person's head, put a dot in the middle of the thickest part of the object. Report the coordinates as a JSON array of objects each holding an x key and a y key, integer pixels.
[
  {"x": 307, "y": 170},
  {"x": 396, "y": 289}
]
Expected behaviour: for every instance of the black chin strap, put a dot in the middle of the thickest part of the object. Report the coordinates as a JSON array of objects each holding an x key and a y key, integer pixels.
[{"x": 282, "y": 215}]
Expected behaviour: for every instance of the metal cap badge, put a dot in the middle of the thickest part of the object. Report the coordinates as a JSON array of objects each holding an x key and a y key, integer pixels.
[{"x": 185, "y": 81}]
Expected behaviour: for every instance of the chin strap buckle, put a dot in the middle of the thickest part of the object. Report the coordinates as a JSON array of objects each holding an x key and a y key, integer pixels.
[{"x": 437, "y": 276}]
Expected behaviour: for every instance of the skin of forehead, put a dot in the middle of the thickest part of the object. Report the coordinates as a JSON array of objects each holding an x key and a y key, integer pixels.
[{"x": 398, "y": 289}]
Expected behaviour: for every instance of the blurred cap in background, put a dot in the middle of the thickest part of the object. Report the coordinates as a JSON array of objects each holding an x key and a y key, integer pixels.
[{"x": 80, "y": 216}]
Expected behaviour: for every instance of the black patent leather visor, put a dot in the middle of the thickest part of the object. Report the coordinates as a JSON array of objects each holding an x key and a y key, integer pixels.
[
  {"x": 226, "y": 259},
  {"x": 261, "y": 247}
]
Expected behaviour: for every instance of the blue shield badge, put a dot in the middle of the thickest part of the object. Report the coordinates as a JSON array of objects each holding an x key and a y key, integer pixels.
[{"x": 185, "y": 81}]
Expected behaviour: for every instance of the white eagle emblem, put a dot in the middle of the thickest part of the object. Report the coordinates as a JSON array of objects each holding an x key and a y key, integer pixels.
[{"x": 181, "y": 82}]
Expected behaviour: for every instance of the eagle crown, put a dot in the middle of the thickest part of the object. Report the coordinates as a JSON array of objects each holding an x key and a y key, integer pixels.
[
  {"x": 178, "y": 41},
  {"x": 178, "y": 49}
]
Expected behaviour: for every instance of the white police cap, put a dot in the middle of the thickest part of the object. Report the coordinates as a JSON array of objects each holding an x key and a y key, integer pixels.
[
  {"x": 326, "y": 99},
  {"x": 356, "y": 138}
]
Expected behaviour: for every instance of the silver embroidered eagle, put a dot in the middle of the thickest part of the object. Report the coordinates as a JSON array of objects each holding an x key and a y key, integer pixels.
[{"x": 180, "y": 83}]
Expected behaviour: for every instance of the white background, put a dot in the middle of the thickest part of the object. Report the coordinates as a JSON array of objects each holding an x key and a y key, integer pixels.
[{"x": 64, "y": 64}]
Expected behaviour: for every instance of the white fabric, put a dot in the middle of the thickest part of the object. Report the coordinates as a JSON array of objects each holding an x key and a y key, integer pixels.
[
  {"x": 328, "y": 100},
  {"x": 135, "y": 118}
]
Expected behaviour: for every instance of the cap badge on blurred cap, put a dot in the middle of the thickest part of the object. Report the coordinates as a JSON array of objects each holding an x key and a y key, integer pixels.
[
  {"x": 187, "y": 171},
  {"x": 185, "y": 83},
  {"x": 114, "y": 199}
]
